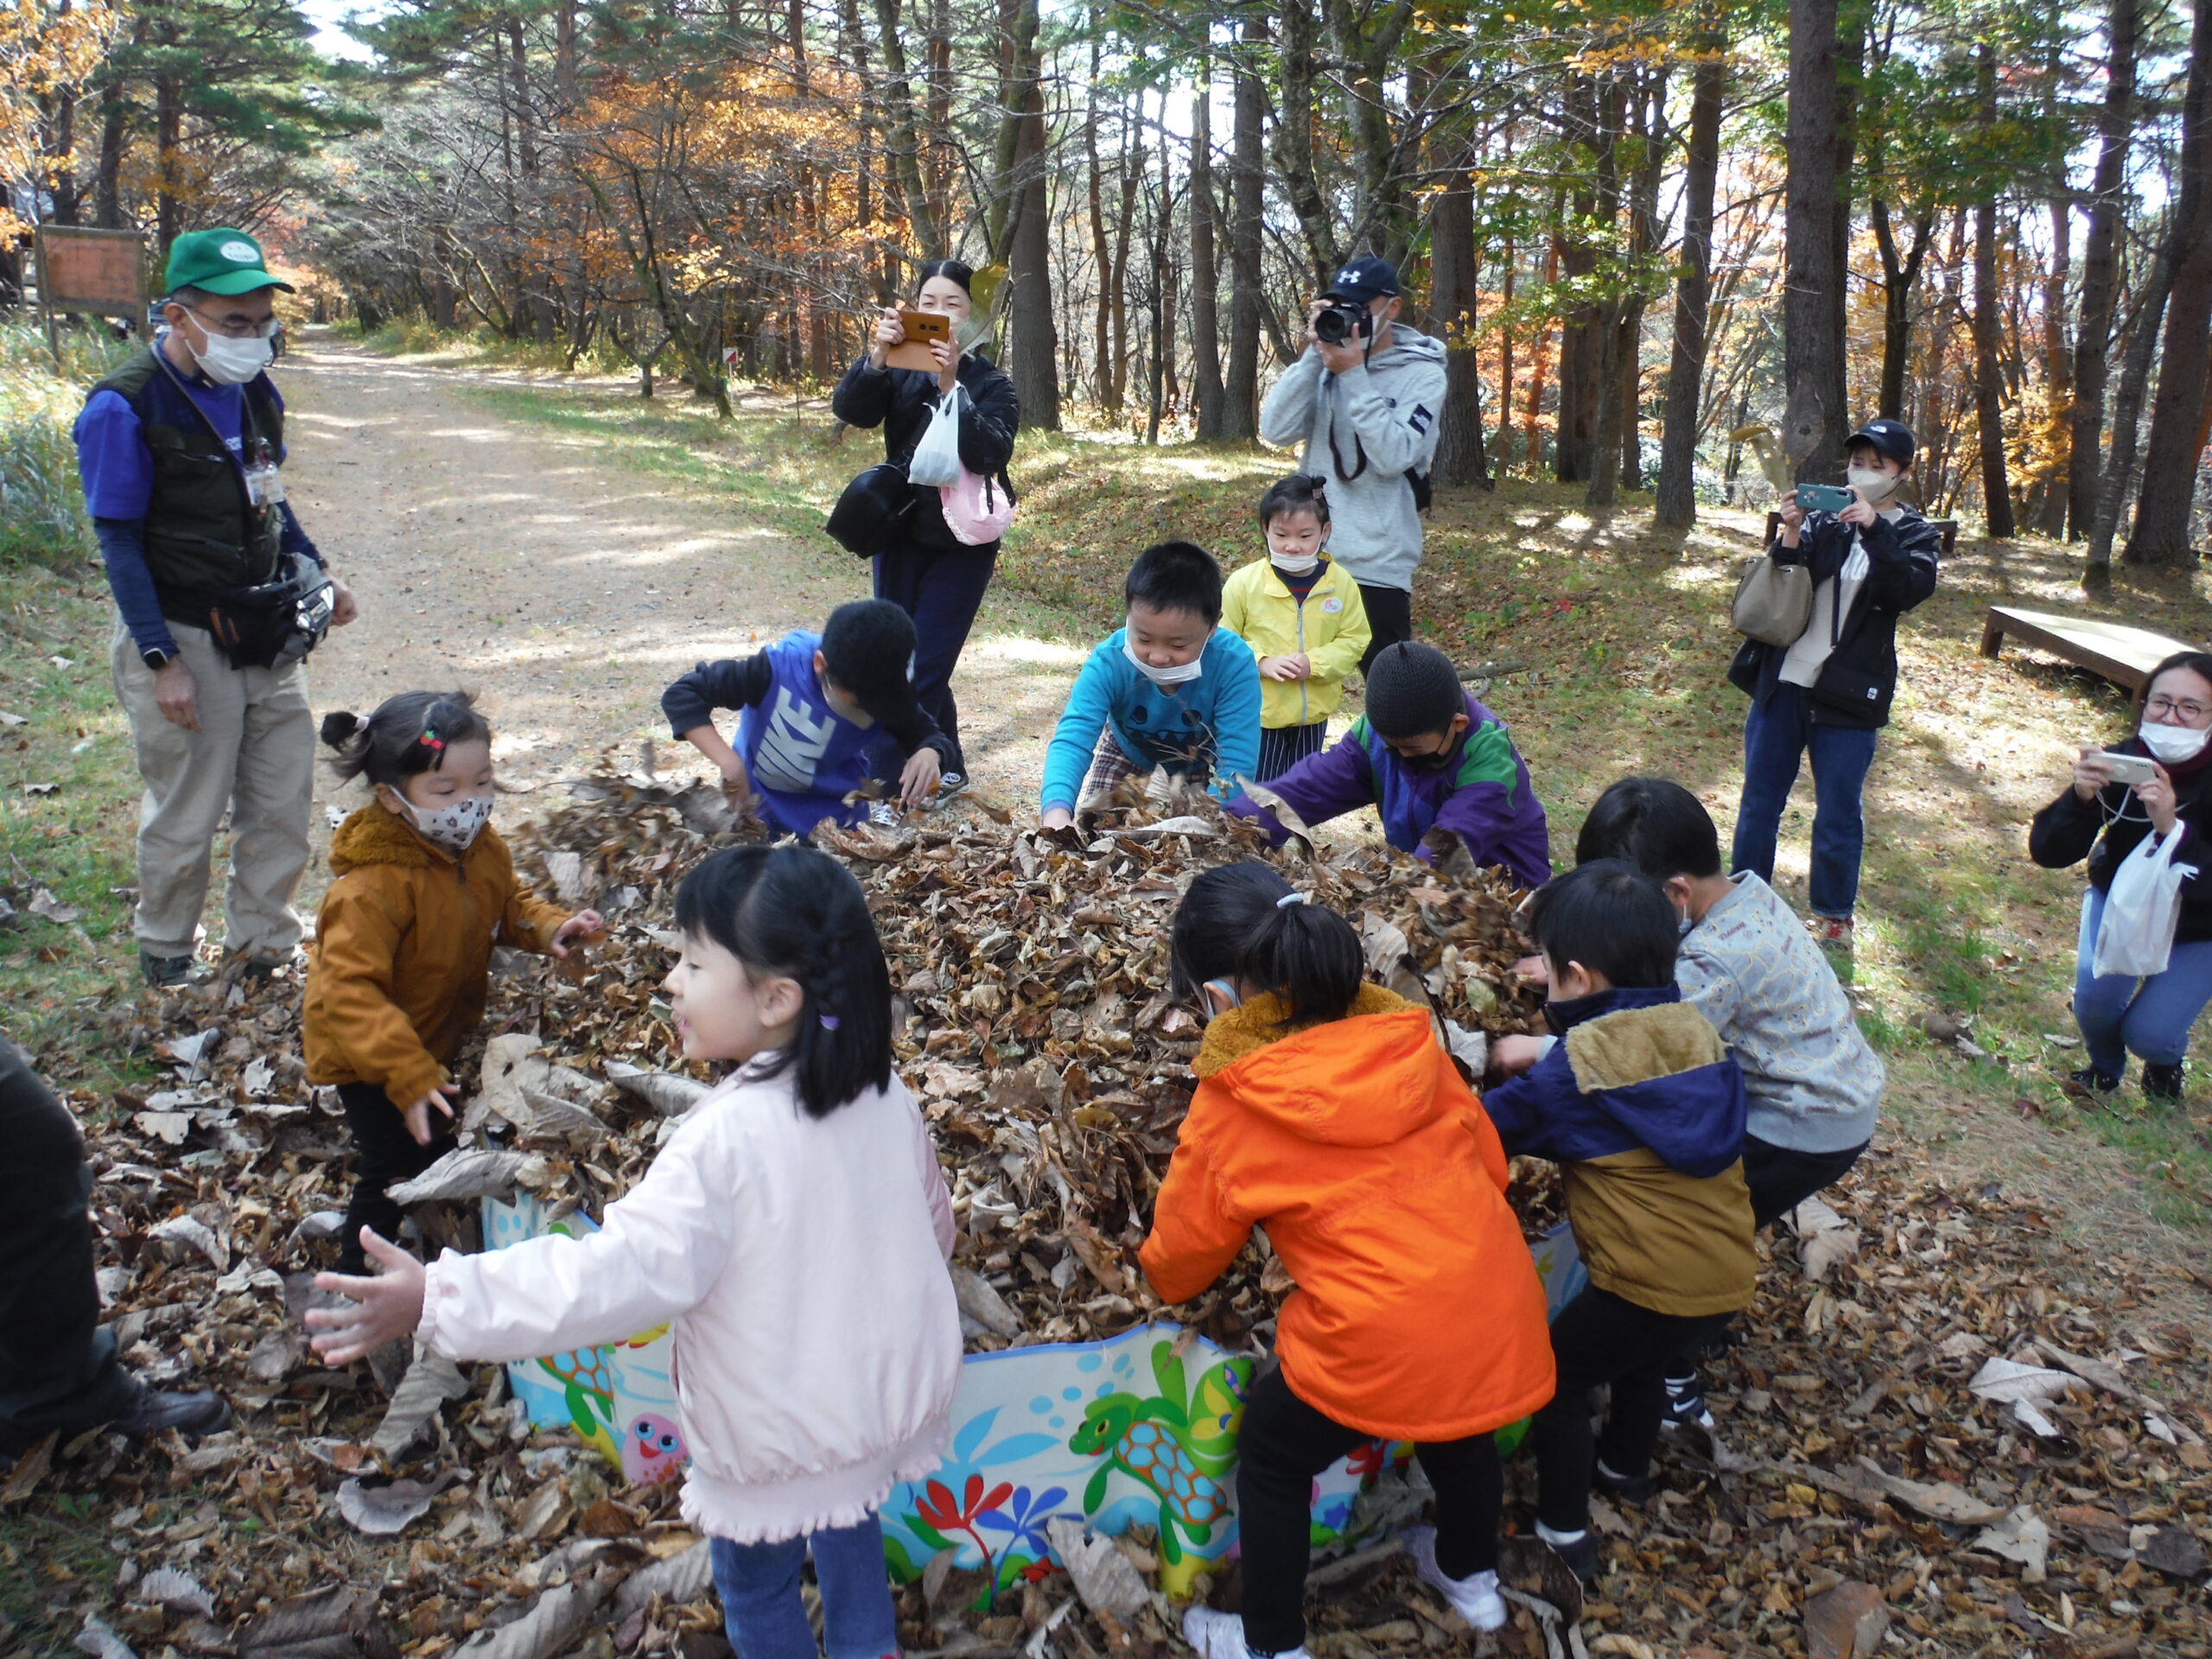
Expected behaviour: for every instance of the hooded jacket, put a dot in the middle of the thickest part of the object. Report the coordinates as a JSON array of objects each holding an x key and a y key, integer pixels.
[
  {"x": 902, "y": 402},
  {"x": 1860, "y": 678},
  {"x": 403, "y": 951},
  {"x": 1643, "y": 1109},
  {"x": 2106, "y": 829},
  {"x": 1329, "y": 625},
  {"x": 801, "y": 1263},
  {"x": 1417, "y": 1313},
  {"x": 1365, "y": 431}
]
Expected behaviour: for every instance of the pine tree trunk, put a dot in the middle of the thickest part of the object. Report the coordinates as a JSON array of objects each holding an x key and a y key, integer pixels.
[
  {"x": 1816, "y": 422},
  {"x": 2093, "y": 339},
  {"x": 1240, "y": 411},
  {"x": 902, "y": 142},
  {"x": 2058, "y": 360},
  {"x": 1677, "y": 502},
  {"x": 1206, "y": 287},
  {"x": 1505, "y": 358},
  {"x": 1032, "y": 341},
  {"x": 1988, "y": 389},
  {"x": 1898, "y": 278},
  {"x": 2126, "y": 411},
  {"x": 1454, "y": 297},
  {"x": 2174, "y": 449}
]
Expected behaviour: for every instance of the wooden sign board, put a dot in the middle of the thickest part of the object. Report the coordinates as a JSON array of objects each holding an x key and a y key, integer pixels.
[{"x": 100, "y": 271}]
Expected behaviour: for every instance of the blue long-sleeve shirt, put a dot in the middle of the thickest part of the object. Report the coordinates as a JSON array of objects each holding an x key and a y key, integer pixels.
[{"x": 1208, "y": 727}]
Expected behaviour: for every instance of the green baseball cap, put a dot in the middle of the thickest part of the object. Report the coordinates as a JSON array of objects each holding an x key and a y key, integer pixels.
[{"x": 220, "y": 260}]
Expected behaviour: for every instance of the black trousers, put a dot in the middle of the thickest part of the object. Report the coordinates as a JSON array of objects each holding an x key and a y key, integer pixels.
[
  {"x": 1390, "y": 619},
  {"x": 382, "y": 1152},
  {"x": 1282, "y": 1446},
  {"x": 1781, "y": 1179},
  {"x": 1601, "y": 1337},
  {"x": 941, "y": 589},
  {"x": 59, "y": 1369}
]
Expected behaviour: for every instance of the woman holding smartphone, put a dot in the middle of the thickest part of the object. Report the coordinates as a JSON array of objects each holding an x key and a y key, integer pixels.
[
  {"x": 1826, "y": 695},
  {"x": 925, "y": 569},
  {"x": 2104, "y": 819}
]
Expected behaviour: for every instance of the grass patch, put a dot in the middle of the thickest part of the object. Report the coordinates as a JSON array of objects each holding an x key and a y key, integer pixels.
[
  {"x": 1614, "y": 643},
  {"x": 43, "y": 517}
]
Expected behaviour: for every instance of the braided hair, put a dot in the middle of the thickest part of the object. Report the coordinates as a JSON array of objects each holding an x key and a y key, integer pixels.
[{"x": 796, "y": 913}]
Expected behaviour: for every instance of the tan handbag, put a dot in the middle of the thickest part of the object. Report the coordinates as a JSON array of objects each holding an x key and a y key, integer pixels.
[{"x": 1773, "y": 601}]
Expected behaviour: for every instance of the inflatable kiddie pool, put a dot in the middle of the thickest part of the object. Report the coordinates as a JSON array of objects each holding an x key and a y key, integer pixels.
[{"x": 1139, "y": 1429}]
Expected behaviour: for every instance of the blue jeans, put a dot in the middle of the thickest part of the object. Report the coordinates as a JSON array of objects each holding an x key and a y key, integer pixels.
[
  {"x": 2150, "y": 1018},
  {"x": 758, "y": 1585},
  {"x": 1776, "y": 733}
]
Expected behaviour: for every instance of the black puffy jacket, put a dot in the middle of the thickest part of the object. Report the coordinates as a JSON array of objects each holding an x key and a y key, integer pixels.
[
  {"x": 1860, "y": 678},
  {"x": 2106, "y": 829},
  {"x": 901, "y": 401}
]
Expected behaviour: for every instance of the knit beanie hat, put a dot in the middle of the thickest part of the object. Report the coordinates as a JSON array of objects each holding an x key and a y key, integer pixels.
[{"x": 1413, "y": 689}]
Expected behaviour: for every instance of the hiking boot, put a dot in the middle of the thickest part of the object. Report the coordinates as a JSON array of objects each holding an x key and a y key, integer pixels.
[
  {"x": 1832, "y": 934},
  {"x": 2163, "y": 1082},
  {"x": 2090, "y": 1081},
  {"x": 165, "y": 973},
  {"x": 1474, "y": 1597},
  {"x": 1632, "y": 1488},
  {"x": 1685, "y": 1402},
  {"x": 158, "y": 1411}
]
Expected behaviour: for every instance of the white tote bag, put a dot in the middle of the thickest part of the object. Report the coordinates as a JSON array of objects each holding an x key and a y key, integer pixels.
[
  {"x": 2136, "y": 934},
  {"x": 937, "y": 457}
]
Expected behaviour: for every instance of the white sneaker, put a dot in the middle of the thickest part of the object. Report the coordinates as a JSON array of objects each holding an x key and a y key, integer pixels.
[
  {"x": 883, "y": 814},
  {"x": 1474, "y": 1597},
  {"x": 1221, "y": 1636}
]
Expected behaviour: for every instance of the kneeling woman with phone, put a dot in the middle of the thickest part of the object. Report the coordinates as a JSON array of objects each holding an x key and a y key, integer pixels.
[{"x": 2157, "y": 783}]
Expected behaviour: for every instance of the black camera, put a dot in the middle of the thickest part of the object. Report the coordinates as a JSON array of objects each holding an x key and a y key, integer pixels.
[{"x": 1338, "y": 320}]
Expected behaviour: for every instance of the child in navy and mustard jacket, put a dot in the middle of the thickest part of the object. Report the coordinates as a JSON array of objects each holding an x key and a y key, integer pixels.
[
  {"x": 812, "y": 704},
  {"x": 1643, "y": 1109}
]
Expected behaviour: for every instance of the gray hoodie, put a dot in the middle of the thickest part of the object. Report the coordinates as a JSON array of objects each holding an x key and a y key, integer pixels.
[{"x": 1382, "y": 418}]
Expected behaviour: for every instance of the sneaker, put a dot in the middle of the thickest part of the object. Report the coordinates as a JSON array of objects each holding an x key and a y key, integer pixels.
[
  {"x": 1474, "y": 1597},
  {"x": 1633, "y": 1489},
  {"x": 157, "y": 1412},
  {"x": 1832, "y": 932},
  {"x": 2090, "y": 1081},
  {"x": 1221, "y": 1636},
  {"x": 1685, "y": 1402},
  {"x": 883, "y": 814},
  {"x": 163, "y": 973},
  {"x": 2163, "y": 1082},
  {"x": 950, "y": 784},
  {"x": 1578, "y": 1549}
]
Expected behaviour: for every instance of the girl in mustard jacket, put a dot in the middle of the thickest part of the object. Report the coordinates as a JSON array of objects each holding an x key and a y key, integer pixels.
[
  {"x": 422, "y": 889},
  {"x": 1303, "y": 618},
  {"x": 1327, "y": 1112}
]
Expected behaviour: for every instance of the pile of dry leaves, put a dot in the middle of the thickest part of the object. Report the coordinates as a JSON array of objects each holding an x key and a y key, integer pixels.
[{"x": 1925, "y": 1434}]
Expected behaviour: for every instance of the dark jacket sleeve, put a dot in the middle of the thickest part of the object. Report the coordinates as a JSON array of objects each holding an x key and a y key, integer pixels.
[
  {"x": 863, "y": 397},
  {"x": 1528, "y": 1111},
  {"x": 2064, "y": 831},
  {"x": 1903, "y": 556},
  {"x": 990, "y": 415},
  {"x": 918, "y": 731},
  {"x": 1322, "y": 786},
  {"x": 732, "y": 682}
]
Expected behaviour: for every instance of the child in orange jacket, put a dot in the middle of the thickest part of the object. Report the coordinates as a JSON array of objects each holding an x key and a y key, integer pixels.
[
  {"x": 422, "y": 889},
  {"x": 1327, "y": 1112}
]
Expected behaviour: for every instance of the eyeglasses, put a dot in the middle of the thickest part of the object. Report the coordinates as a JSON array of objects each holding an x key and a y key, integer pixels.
[
  {"x": 2159, "y": 707},
  {"x": 237, "y": 328}
]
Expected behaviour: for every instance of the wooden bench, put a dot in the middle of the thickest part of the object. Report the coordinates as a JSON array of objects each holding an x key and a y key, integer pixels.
[{"x": 2120, "y": 653}]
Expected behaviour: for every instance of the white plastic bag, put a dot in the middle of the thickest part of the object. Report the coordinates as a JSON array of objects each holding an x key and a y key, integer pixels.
[
  {"x": 2136, "y": 936},
  {"x": 937, "y": 457}
]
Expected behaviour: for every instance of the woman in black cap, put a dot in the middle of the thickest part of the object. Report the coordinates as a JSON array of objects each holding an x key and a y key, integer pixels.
[{"x": 1828, "y": 694}]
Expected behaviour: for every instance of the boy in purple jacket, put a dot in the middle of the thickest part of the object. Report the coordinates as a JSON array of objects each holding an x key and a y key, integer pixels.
[{"x": 1425, "y": 756}]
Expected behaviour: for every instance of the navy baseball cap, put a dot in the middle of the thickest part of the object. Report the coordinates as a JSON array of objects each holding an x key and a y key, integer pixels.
[
  {"x": 1363, "y": 281},
  {"x": 1891, "y": 438}
]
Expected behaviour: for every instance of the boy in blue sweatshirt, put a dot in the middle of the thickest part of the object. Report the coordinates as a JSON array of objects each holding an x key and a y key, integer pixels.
[
  {"x": 1171, "y": 689},
  {"x": 1642, "y": 1109},
  {"x": 813, "y": 706},
  {"x": 1426, "y": 756}
]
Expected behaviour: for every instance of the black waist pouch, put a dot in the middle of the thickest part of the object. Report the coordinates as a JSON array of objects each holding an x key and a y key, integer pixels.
[{"x": 273, "y": 624}]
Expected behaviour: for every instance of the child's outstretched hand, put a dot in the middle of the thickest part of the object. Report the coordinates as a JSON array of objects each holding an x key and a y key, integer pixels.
[
  {"x": 417, "y": 1116},
  {"x": 1510, "y": 1056},
  {"x": 920, "y": 777},
  {"x": 387, "y": 1306},
  {"x": 583, "y": 922}
]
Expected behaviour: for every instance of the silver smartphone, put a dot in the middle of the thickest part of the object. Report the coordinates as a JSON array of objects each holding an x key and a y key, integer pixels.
[{"x": 2131, "y": 768}]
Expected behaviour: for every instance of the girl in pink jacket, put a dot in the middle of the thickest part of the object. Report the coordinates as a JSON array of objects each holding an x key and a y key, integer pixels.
[{"x": 794, "y": 1230}]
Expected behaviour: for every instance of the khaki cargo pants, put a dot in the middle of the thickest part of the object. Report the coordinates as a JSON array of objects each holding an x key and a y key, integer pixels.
[{"x": 252, "y": 757}]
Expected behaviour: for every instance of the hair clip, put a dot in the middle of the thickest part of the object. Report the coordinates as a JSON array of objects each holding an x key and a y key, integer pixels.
[
  {"x": 1289, "y": 899},
  {"x": 430, "y": 740},
  {"x": 829, "y": 1021}
]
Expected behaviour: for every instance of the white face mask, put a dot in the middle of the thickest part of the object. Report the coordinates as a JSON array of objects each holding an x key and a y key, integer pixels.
[
  {"x": 1294, "y": 567},
  {"x": 2172, "y": 744},
  {"x": 230, "y": 362},
  {"x": 1177, "y": 675},
  {"x": 456, "y": 827},
  {"x": 1872, "y": 482}
]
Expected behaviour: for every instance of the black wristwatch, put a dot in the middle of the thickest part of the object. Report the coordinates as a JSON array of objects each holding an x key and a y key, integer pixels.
[{"x": 156, "y": 658}]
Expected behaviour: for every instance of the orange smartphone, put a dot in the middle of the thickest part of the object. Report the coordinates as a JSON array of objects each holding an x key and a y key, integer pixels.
[{"x": 922, "y": 328}]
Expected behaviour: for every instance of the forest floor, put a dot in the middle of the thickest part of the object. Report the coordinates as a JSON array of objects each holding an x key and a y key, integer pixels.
[{"x": 565, "y": 547}]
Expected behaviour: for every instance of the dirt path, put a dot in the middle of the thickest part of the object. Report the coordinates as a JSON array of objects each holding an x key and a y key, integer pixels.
[{"x": 565, "y": 588}]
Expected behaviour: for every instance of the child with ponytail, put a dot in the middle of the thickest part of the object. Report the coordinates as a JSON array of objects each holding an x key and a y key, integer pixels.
[
  {"x": 1328, "y": 1113},
  {"x": 795, "y": 1230},
  {"x": 421, "y": 889}
]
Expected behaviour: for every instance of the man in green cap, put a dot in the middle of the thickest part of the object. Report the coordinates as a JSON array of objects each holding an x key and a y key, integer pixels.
[{"x": 220, "y": 595}]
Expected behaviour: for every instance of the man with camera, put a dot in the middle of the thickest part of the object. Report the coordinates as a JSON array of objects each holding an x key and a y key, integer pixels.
[
  {"x": 219, "y": 596},
  {"x": 1364, "y": 400}
]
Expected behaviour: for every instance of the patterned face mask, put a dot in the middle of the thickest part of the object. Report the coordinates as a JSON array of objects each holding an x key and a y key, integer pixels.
[{"x": 456, "y": 827}]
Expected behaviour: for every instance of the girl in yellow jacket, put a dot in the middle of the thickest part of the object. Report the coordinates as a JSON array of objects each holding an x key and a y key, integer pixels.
[
  {"x": 1302, "y": 617},
  {"x": 422, "y": 889}
]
